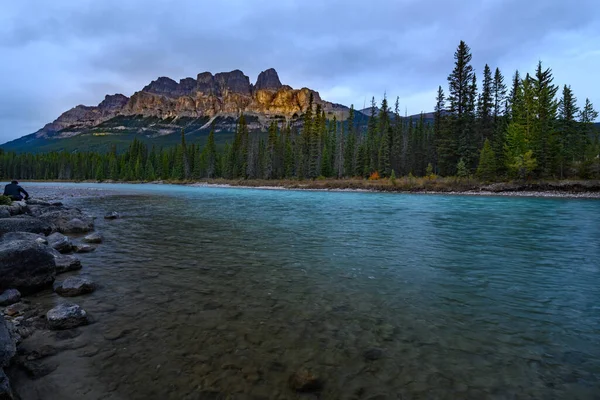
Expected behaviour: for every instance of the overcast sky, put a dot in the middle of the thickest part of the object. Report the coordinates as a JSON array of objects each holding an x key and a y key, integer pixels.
[{"x": 60, "y": 53}]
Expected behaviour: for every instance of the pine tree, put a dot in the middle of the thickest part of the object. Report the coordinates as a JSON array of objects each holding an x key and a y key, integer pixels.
[
  {"x": 486, "y": 106},
  {"x": 461, "y": 169},
  {"x": 461, "y": 107},
  {"x": 570, "y": 143},
  {"x": 445, "y": 143},
  {"x": 372, "y": 148},
  {"x": 545, "y": 115},
  {"x": 486, "y": 170}
]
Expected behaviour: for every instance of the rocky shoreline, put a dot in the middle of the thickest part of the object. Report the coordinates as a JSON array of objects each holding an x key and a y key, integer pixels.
[{"x": 35, "y": 248}]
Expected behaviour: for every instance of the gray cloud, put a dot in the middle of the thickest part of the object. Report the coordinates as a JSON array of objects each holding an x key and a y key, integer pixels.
[{"x": 63, "y": 53}]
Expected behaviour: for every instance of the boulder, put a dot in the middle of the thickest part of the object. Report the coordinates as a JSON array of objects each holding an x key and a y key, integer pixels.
[
  {"x": 17, "y": 208},
  {"x": 34, "y": 237},
  {"x": 4, "y": 213},
  {"x": 60, "y": 242},
  {"x": 112, "y": 215},
  {"x": 24, "y": 224},
  {"x": 74, "y": 286},
  {"x": 7, "y": 345},
  {"x": 83, "y": 248},
  {"x": 66, "y": 316},
  {"x": 94, "y": 237},
  {"x": 69, "y": 220},
  {"x": 66, "y": 263},
  {"x": 9, "y": 296},
  {"x": 26, "y": 265}
]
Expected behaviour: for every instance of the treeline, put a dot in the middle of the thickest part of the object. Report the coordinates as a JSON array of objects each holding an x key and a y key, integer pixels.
[{"x": 522, "y": 130}]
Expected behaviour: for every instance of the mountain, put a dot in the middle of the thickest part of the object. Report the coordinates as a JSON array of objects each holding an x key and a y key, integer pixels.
[{"x": 164, "y": 107}]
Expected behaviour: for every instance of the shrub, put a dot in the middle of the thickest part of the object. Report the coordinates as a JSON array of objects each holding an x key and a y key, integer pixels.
[
  {"x": 393, "y": 178},
  {"x": 374, "y": 176},
  {"x": 5, "y": 201}
]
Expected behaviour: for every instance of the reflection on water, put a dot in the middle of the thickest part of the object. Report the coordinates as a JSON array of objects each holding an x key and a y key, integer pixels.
[{"x": 224, "y": 293}]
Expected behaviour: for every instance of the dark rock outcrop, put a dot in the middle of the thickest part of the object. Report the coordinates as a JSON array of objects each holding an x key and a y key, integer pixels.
[
  {"x": 74, "y": 286},
  {"x": 66, "y": 316},
  {"x": 233, "y": 82},
  {"x": 113, "y": 103},
  {"x": 26, "y": 265},
  {"x": 4, "y": 213},
  {"x": 268, "y": 80},
  {"x": 60, "y": 242},
  {"x": 25, "y": 224},
  {"x": 5, "y": 390}
]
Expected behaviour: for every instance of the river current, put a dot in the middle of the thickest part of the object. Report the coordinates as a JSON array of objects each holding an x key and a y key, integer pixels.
[{"x": 210, "y": 293}]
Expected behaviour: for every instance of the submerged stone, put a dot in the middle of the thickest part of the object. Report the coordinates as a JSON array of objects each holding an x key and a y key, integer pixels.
[{"x": 66, "y": 316}]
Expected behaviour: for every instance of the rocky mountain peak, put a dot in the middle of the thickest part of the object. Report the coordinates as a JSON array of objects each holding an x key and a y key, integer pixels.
[
  {"x": 113, "y": 102},
  {"x": 234, "y": 82},
  {"x": 163, "y": 85},
  {"x": 268, "y": 80}
]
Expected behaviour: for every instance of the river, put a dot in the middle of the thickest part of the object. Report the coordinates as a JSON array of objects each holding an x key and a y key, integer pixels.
[{"x": 216, "y": 293}]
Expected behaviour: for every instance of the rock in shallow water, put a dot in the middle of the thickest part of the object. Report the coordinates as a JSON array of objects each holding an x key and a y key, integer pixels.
[
  {"x": 66, "y": 316},
  {"x": 112, "y": 215},
  {"x": 9, "y": 296},
  {"x": 304, "y": 380},
  {"x": 69, "y": 220},
  {"x": 74, "y": 286},
  {"x": 95, "y": 237},
  {"x": 26, "y": 265},
  {"x": 66, "y": 263},
  {"x": 83, "y": 248},
  {"x": 373, "y": 354},
  {"x": 60, "y": 242}
]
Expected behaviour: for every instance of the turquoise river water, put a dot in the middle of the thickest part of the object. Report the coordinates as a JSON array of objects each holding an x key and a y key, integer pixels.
[{"x": 225, "y": 292}]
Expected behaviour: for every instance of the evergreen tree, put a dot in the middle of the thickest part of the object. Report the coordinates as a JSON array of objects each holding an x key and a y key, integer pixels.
[
  {"x": 486, "y": 170},
  {"x": 570, "y": 143},
  {"x": 486, "y": 106}
]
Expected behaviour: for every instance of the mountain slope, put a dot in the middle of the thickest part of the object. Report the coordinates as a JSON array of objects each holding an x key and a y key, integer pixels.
[{"x": 165, "y": 106}]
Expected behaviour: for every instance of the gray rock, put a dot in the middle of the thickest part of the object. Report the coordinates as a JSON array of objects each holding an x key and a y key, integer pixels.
[
  {"x": 10, "y": 296},
  {"x": 17, "y": 208},
  {"x": 5, "y": 390},
  {"x": 10, "y": 236},
  {"x": 66, "y": 316},
  {"x": 112, "y": 215},
  {"x": 94, "y": 237},
  {"x": 38, "y": 369},
  {"x": 4, "y": 213},
  {"x": 25, "y": 265},
  {"x": 268, "y": 80},
  {"x": 7, "y": 345},
  {"x": 60, "y": 242},
  {"x": 66, "y": 263},
  {"x": 69, "y": 220},
  {"x": 74, "y": 286},
  {"x": 16, "y": 309},
  {"x": 24, "y": 224}
]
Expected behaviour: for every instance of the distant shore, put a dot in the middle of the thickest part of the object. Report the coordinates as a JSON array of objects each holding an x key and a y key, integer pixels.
[{"x": 449, "y": 186}]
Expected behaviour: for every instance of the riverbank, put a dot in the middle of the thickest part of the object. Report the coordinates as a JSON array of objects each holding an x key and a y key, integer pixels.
[
  {"x": 38, "y": 242},
  {"x": 447, "y": 186}
]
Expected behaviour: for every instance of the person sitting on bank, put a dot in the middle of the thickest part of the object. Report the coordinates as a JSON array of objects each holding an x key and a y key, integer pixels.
[{"x": 13, "y": 190}]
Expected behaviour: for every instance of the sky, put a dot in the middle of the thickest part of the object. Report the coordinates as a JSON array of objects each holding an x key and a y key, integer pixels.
[{"x": 61, "y": 53}]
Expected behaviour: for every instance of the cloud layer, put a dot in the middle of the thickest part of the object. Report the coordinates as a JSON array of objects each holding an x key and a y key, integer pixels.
[{"x": 62, "y": 53}]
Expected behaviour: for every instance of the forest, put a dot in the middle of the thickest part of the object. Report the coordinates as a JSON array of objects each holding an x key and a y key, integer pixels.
[{"x": 491, "y": 129}]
